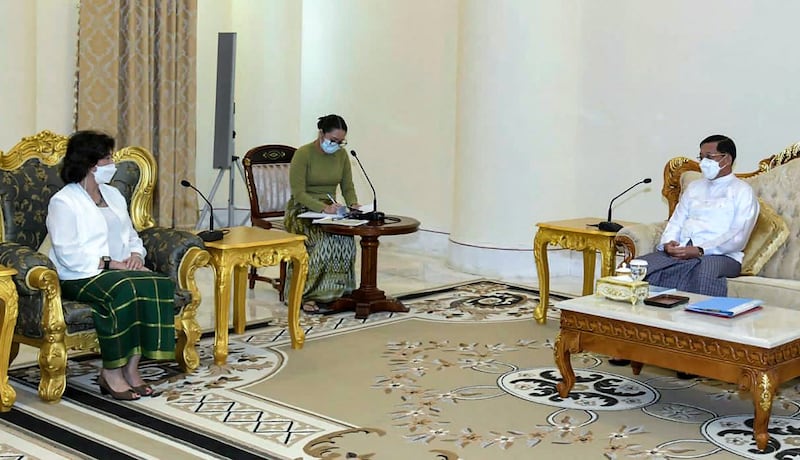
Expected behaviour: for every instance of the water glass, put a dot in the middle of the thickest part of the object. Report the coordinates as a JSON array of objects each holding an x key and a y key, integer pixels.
[{"x": 638, "y": 269}]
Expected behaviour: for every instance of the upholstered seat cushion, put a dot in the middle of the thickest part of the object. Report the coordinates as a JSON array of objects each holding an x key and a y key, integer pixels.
[{"x": 773, "y": 291}]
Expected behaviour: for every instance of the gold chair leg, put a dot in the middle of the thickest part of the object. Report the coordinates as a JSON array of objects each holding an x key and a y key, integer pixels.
[{"x": 53, "y": 368}]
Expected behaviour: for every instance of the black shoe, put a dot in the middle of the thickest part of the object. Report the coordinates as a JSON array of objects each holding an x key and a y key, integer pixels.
[
  {"x": 619, "y": 362},
  {"x": 685, "y": 376}
]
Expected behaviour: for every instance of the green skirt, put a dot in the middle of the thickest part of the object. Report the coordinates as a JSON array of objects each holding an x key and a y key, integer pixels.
[
  {"x": 331, "y": 258},
  {"x": 133, "y": 312}
]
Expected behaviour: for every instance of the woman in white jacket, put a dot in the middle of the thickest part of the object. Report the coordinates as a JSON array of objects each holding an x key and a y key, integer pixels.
[{"x": 100, "y": 260}]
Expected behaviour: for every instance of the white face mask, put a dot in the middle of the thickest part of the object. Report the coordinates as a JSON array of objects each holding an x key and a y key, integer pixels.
[
  {"x": 329, "y": 146},
  {"x": 710, "y": 168},
  {"x": 103, "y": 174}
]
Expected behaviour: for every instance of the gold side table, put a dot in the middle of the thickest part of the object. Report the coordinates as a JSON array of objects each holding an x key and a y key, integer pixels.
[
  {"x": 578, "y": 235},
  {"x": 243, "y": 247},
  {"x": 8, "y": 320}
]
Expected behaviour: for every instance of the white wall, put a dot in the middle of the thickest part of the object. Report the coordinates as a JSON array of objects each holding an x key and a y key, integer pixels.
[
  {"x": 38, "y": 62},
  {"x": 389, "y": 68},
  {"x": 650, "y": 80},
  {"x": 660, "y": 76}
]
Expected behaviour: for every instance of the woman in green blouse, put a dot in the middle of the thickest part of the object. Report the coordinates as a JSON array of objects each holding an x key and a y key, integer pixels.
[{"x": 316, "y": 171}]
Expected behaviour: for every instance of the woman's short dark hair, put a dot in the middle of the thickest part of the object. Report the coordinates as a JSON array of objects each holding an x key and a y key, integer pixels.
[
  {"x": 84, "y": 150},
  {"x": 330, "y": 122},
  {"x": 724, "y": 144}
]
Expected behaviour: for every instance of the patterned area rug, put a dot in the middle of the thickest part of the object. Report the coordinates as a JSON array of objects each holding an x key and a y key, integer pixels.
[{"x": 467, "y": 374}]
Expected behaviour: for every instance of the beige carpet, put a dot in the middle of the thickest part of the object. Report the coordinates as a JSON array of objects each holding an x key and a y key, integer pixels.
[{"x": 466, "y": 375}]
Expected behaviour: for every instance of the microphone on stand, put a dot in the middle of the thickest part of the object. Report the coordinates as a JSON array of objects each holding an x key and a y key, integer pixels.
[
  {"x": 210, "y": 234},
  {"x": 608, "y": 225},
  {"x": 373, "y": 216}
]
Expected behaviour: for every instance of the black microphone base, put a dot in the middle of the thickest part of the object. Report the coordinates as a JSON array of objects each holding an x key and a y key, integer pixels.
[
  {"x": 609, "y": 226},
  {"x": 374, "y": 217},
  {"x": 210, "y": 235}
]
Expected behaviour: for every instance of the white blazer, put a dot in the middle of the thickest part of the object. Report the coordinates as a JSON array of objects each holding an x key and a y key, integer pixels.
[{"x": 79, "y": 232}]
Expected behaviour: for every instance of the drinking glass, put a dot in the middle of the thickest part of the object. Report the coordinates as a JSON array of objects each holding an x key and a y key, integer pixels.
[{"x": 638, "y": 269}]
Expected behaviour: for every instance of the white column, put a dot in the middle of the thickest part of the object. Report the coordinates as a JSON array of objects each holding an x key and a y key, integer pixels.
[
  {"x": 517, "y": 103},
  {"x": 18, "y": 78}
]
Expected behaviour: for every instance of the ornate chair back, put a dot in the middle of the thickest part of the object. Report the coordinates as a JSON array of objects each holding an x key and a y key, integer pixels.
[{"x": 266, "y": 170}]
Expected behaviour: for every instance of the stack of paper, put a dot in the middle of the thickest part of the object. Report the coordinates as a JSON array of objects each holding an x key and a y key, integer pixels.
[
  {"x": 340, "y": 221},
  {"x": 724, "y": 306}
]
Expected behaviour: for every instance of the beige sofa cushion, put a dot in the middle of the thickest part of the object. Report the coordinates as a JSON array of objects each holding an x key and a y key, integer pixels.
[
  {"x": 780, "y": 188},
  {"x": 778, "y": 292}
]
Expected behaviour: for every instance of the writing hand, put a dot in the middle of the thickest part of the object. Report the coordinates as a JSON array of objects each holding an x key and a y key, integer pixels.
[{"x": 331, "y": 208}]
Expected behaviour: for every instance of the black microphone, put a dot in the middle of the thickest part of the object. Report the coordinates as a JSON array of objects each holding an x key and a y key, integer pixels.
[
  {"x": 608, "y": 225},
  {"x": 210, "y": 234},
  {"x": 373, "y": 216}
]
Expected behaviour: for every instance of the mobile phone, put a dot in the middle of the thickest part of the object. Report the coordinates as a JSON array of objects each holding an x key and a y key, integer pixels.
[{"x": 666, "y": 300}]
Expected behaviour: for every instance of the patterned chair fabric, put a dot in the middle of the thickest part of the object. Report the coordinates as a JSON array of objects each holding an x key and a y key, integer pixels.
[
  {"x": 28, "y": 179},
  {"x": 266, "y": 170}
]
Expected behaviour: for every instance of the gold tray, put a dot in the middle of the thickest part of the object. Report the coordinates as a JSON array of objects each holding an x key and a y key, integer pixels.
[{"x": 622, "y": 288}]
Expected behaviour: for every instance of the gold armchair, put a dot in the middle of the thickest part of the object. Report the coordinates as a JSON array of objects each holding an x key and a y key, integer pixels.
[{"x": 28, "y": 178}]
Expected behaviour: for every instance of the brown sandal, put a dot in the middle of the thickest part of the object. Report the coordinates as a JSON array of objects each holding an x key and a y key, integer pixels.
[
  {"x": 310, "y": 307},
  {"x": 126, "y": 395}
]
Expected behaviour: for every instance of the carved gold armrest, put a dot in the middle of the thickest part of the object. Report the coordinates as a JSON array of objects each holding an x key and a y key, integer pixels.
[{"x": 53, "y": 351}]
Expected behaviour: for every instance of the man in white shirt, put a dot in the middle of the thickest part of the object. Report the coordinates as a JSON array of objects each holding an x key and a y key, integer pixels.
[{"x": 703, "y": 241}]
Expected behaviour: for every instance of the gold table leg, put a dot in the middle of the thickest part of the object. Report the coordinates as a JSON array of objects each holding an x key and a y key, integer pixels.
[
  {"x": 543, "y": 272},
  {"x": 236, "y": 262},
  {"x": 299, "y": 259},
  {"x": 222, "y": 296},
  {"x": 589, "y": 257}
]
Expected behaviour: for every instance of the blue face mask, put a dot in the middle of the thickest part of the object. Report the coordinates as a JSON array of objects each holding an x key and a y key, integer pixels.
[{"x": 329, "y": 146}]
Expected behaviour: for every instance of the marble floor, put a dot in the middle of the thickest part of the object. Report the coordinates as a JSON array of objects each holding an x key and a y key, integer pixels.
[{"x": 399, "y": 272}]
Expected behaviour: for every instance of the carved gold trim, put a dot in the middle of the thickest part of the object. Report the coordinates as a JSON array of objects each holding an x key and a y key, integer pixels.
[
  {"x": 679, "y": 341},
  {"x": 186, "y": 325},
  {"x": 47, "y": 146},
  {"x": 673, "y": 170},
  {"x": 141, "y": 206},
  {"x": 786, "y": 155},
  {"x": 765, "y": 397},
  {"x": 8, "y": 319}
]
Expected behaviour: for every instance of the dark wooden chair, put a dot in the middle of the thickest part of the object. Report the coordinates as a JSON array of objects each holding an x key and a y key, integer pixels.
[{"x": 266, "y": 170}]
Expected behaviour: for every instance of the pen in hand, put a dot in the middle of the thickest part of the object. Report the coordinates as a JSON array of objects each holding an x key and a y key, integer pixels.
[{"x": 333, "y": 201}]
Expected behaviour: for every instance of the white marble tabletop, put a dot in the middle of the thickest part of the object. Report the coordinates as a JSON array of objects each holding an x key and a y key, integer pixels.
[{"x": 768, "y": 327}]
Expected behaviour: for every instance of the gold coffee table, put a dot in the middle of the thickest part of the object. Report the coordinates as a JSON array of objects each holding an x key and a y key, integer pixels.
[
  {"x": 8, "y": 320},
  {"x": 243, "y": 247}
]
